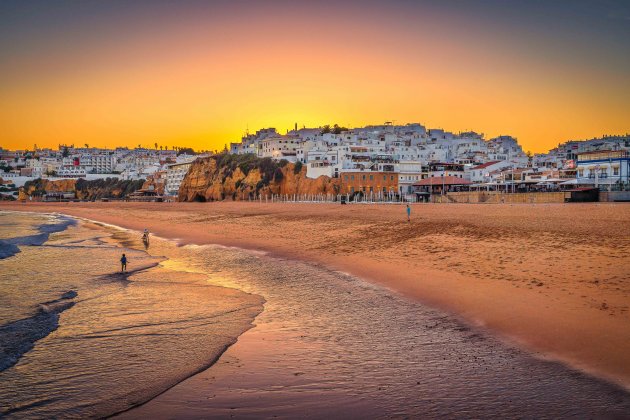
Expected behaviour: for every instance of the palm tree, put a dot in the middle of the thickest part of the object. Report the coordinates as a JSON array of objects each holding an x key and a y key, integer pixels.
[{"x": 156, "y": 145}]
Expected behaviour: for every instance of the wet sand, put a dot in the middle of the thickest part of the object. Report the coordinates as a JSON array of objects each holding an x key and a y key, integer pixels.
[{"x": 553, "y": 278}]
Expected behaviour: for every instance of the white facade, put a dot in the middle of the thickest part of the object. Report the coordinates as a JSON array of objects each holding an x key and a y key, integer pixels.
[
  {"x": 279, "y": 148},
  {"x": 604, "y": 167},
  {"x": 71, "y": 172},
  {"x": 409, "y": 172},
  {"x": 482, "y": 173},
  {"x": 98, "y": 163},
  {"x": 175, "y": 174}
]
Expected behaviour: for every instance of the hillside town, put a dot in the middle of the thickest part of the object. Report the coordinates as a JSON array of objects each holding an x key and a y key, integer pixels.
[{"x": 386, "y": 161}]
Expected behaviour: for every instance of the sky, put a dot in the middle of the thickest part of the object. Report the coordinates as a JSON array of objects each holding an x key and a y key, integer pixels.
[{"x": 201, "y": 73}]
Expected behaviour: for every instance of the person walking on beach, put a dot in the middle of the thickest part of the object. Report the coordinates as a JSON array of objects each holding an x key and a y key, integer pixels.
[
  {"x": 123, "y": 263},
  {"x": 408, "y": 213}
]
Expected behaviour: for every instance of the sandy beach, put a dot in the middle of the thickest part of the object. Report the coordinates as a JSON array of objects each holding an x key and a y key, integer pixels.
[{"x": 552, "y": 278}]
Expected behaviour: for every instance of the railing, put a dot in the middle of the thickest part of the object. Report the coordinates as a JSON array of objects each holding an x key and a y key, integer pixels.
[{"x": 374, "y": 198}]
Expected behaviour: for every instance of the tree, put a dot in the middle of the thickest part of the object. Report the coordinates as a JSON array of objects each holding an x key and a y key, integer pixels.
[
  {"x": 337, "y": 129},
  {"x": 530, "y": 158},
  {"x": 87, "y": 146},
  {"x": 185, "y": 150},
  {"x": 326, "y": 129},
  {"x": 65, "y": 153},
  {"x": 156, "y": 145}
]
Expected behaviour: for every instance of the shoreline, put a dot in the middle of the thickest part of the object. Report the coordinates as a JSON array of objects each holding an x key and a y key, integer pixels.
[
  {"x": 137, "y": 300},
  {"x": 552, "y": 325}
]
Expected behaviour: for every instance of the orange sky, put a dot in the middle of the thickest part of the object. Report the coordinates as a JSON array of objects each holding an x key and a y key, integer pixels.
[{"x": 199, "y": 77}]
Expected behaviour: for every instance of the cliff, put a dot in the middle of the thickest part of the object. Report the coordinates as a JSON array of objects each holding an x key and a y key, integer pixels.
[
  {"x": 39, "y": 187},
  {"x": 84, "y": 190},
  {"x": 243, "y": 177}
]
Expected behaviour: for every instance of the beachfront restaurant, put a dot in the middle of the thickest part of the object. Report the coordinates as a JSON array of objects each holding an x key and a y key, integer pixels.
[
  {"x": 146, "y": 195},
  {"x": 604, "y": 169},
  {"x": 441, "y": 185}
]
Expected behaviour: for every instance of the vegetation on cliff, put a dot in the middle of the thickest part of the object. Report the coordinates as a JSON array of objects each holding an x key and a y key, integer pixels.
[
  {"x": 269, "y": 169},
  {"x": 106, "y": 188},
  {"x": 84, "y": 190}
]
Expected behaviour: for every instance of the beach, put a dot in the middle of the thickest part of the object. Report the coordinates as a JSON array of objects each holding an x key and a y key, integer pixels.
[
  {"x": 552, "y": 279},
  {"x": 81, "y": 339}
]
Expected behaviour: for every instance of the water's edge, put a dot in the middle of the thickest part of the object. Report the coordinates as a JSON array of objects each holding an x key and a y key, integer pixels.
[
  {"x": 508, "y": 341},
  {"x": 48, "y": 313}
]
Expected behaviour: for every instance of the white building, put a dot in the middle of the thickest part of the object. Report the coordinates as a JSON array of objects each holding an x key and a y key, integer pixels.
[
  {"x": 409, "y": 172},
  {"x": 280, "y": 148},
  {"x": 481, "y": 173},
  {"x": 98, "y": 163},
  {"x": 175, "y": 174},
  {"x": 71, "y": 172},
  {"x": 606, "y": 167}
]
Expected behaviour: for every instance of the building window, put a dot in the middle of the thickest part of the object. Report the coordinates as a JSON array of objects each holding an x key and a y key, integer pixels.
[
  {"x": 615, "y": 171},
  {"x": 346, "y": 177},
  {"x": 371, "y": 178},
  {"x": 352, "y": 177}
]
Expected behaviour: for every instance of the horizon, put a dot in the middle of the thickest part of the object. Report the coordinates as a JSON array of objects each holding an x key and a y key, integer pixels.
[
  {"x": 199, "y": 74},
  {"x": 225, "y": 146}
]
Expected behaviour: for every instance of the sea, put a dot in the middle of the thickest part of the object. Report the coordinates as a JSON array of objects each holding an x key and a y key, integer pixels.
[{"x": 235, "y": 333}]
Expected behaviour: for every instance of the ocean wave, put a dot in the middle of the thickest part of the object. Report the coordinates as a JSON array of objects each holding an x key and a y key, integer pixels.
[
  {"x": 11, "y": 246},
  {"x": 19, "y": 337}
]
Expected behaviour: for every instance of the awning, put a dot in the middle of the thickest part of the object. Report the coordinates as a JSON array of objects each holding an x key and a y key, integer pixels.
[
  {"x": 591, "y": 181},
  {"x": 550, "y": 181},
  {"x": 570, "y": 182}
]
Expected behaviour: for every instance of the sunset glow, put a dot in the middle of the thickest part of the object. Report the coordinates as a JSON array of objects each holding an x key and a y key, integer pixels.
[{"x": 200, "y": 73}]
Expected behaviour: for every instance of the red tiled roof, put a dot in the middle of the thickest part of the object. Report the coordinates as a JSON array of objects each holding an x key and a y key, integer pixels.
[
  {"x": 485, "y": 165},
  {"x": 446, "y": 180}
]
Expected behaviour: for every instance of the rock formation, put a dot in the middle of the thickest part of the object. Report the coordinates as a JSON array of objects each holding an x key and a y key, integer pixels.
[
  {"x": 84, "y": 190},
  {"x": 245, "y": 177}
]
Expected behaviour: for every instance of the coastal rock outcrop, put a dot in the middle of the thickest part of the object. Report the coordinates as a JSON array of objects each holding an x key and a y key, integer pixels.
[
  {"x": 39, "y": 187},
  {"x": 244, "y": 177},
  {"x": 83, "y": 189}
]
